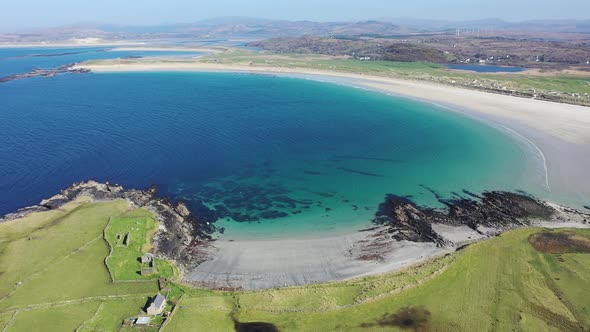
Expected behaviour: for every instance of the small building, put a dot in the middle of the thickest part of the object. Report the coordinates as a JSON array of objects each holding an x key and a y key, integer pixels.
[
  {"x": 157, "y": 305},
  {"x": 147, "y": 258},
  {"x": 142, "y": 320}
]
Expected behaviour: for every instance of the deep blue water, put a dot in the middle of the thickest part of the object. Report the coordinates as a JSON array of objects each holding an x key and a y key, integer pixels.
[
  {"x": 290, "y": 154},
  {"x": 487, "y": 68}
]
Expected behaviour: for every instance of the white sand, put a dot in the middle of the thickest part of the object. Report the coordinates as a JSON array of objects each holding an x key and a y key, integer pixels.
[
  {"x": 261, "y": 264},
  {"x": 458, "y": 235},
  {"x": 558, "y": 133}
]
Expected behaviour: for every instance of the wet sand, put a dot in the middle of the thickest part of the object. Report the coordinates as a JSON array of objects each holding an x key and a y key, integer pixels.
[{"x": 263, "y": 264}]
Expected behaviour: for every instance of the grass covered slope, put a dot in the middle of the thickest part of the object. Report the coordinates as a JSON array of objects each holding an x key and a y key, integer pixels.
[
  {"x": 502, "y": 284},
  {"x": 128, "y": 237},
  {"x": 53, "y": 276}
]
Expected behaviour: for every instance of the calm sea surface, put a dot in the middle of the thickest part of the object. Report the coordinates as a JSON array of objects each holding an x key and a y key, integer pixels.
[{"x": 272, "y": 155}]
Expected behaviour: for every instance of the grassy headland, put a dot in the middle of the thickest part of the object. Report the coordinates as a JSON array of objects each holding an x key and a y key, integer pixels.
[{"x": 54, "y": 278}]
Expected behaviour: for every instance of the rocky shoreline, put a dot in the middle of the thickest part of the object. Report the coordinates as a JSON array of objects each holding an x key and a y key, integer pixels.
[
  {"x": 487, "y": 214},
  {"x": 182, "y": 237},
  {"x": 185, "y": 237},
  {"x": 37, "y": 72}
]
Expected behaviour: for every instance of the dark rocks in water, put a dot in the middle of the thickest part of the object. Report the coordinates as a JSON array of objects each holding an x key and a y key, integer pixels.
[
  {"x": 244, "y": 202},
  {"x": 328, "y": 209},
  {"x": 327, "y": 195},
  {"x": 273, "y": 214},
  {"x": 37, "y": 72},
  {"x": 312, "y": 172},
  {"x": 495, "y": 209},
  {"x": 587, "y": 207},
  {"x": 437, "y": 195},
  {"x": 471, "y": 194},
  {"x": 406, "y": 220},
  {"x": 354, "y": 171}
]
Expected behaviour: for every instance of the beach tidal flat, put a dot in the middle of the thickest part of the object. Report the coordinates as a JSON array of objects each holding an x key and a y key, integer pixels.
[{"x": 259, "y": 155}]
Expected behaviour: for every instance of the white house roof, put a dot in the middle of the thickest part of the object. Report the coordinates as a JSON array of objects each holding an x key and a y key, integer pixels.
[{"x": 142, "y": 321}]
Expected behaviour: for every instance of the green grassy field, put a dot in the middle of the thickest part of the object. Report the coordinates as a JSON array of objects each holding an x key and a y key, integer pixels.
[
  {"x": 562, "y": 83},
  {"x": 54, "y": 279},
  {"x": 124, "y": 262},
  {"x": 502, "y": 284},
  {"x": 53, "y": 274}
]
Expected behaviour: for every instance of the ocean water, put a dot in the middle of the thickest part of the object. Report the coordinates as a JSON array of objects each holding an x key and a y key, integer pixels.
[
  {"x": 22, "y": 60},
  {"x": 272, "y": 156}
]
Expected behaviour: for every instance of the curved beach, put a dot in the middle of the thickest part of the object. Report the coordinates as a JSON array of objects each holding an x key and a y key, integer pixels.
[{"x": 557, "y": 133}]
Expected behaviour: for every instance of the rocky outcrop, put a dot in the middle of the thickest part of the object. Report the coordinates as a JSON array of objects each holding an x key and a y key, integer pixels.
[
  {"x": 406, "y": 220},
  {"x": 495, "y": 210},
  {"x": 182, "y": 237},
  {"x": 36, "y": 72}
]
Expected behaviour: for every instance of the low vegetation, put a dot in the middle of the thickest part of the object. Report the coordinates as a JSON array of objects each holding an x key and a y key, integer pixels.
[
  {"x": 560, "y": 243},
  {"x": 444, "y": 48},
  {"x": 128, "y": 237},
  {"x": 54, "y": 278},
  {"x": 567, "y": 87},
  {"x": 560, "y": 86},
  {"x": 501, "y": 284},
  {"x": 365, "y": 49}
]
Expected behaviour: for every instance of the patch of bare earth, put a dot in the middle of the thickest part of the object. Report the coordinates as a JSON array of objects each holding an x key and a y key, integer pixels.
[{"x": 560, "y": 243}]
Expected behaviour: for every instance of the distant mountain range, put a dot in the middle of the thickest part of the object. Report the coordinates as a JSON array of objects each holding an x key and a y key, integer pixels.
[{"x": 228, "y": 27}]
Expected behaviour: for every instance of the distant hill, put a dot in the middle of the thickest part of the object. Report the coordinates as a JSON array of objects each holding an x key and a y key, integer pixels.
[
  {"x": 255, "y": 28},
  {"x": 364, "y": 49}
]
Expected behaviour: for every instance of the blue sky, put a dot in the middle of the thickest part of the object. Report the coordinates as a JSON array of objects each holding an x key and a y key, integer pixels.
[{"x": 18, "y": 14}]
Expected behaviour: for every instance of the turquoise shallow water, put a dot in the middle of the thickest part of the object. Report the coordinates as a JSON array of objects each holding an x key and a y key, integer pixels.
[{"x": 284, "y": 156}]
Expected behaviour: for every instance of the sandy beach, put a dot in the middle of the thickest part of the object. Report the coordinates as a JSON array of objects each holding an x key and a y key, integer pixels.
[
  {"x": 263, "y": 264},
  {"x": 558, "y": 136}
]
